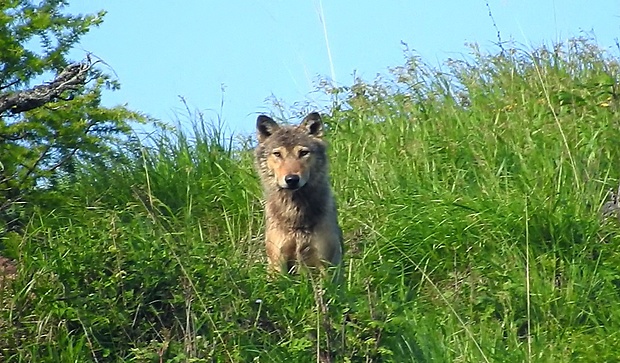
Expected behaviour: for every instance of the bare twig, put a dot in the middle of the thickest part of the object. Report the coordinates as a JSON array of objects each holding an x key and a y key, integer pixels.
[
  {"x": 324, "y": 355},
  {"x": 9, "y": 85},
  {"x": 69, "y": 79}
]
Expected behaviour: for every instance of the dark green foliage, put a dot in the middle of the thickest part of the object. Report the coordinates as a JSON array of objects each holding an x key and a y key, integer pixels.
[{"x": 48, "y": 129}]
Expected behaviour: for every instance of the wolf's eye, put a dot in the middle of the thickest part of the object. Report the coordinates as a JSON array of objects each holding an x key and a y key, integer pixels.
[
  {"x": 303, "y": 153},
  {"x": 277, "y": 154}
]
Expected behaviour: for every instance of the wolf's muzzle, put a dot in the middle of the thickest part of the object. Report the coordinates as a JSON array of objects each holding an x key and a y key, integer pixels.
[{"x": 292, "y": 181}]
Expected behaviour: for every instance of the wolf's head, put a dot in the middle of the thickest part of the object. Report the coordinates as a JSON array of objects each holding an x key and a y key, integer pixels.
[{"x": 290, "y": 157}]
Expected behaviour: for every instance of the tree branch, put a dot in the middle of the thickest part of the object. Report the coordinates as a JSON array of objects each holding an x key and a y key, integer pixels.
[{"x": 70, "y": 78}]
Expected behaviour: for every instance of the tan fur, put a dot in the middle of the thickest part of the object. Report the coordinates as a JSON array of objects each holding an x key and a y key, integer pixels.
[{"x": 300, "y": 211}]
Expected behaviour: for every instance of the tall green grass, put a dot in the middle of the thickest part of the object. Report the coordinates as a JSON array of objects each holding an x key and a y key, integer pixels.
[{"x": 469, "y": 197}]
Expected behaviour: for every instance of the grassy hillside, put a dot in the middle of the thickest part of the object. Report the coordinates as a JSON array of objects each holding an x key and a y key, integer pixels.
[{"x": 469, "y": 197}]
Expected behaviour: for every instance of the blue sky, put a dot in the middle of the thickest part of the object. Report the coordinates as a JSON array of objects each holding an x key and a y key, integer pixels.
[{"x": 254, "y": 50}]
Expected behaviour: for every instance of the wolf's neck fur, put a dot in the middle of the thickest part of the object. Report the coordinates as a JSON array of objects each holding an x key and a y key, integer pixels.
[{"x": 301, "y": 209}]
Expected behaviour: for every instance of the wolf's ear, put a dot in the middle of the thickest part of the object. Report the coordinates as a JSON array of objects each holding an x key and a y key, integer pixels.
[
  {"x": 313, "y": 124},
  {"x": 265, "y": 126}
]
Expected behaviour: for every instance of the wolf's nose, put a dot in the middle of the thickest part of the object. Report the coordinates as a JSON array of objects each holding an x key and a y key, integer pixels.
[{"x": 292, "y": 180}]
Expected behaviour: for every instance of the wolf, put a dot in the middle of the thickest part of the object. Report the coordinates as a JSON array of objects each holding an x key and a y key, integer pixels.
[{"x": 301, "y": 221}]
